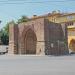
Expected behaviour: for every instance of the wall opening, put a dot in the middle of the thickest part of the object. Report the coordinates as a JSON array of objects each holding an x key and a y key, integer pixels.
[
  {"x": 30, "y": 42},
  {"x": 72, "y": 45}
]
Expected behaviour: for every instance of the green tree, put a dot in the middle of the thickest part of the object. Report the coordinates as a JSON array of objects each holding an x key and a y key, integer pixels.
[
  {"x": 4, "y": 38},
  {"x": 23, "y": 19},
  {"x": 4, "y": 34}
]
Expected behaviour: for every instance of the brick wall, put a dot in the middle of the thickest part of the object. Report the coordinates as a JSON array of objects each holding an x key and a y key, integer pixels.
[{"x": 49, "y": 37}]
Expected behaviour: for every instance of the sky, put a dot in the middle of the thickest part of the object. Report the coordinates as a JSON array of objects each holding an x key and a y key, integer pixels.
[{"x": 14, "y": 9}]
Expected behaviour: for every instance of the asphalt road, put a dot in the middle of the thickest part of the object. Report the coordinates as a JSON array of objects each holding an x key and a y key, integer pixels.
[{"x": 37, "y": 65}]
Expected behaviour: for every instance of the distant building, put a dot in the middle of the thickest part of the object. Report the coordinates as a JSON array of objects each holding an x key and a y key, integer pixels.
[{"x": 41, "y": 35}]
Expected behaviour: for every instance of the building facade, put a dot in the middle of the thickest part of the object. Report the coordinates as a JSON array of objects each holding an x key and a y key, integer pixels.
[
  {"x": 67, "y": 19},
  {"x": 38, "y": 36}
]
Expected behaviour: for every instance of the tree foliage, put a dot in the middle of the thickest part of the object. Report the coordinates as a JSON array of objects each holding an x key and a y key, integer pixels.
[
  {"x": 4, "y": 33},
  {"x": 23, "y": 19},
  {"x": 4, "y": 38}
]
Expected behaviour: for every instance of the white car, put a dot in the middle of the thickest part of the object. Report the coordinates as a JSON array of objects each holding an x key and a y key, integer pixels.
[{"x": 3, "y": 49}]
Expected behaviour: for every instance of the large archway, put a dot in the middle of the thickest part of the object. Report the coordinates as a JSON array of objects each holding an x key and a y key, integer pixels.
[
  {"x": 72, "y": 45},
  {"x": 30, "y": 42}
]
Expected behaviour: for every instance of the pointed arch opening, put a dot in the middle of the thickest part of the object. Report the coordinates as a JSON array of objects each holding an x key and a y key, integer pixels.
[
  {"x": 72, "y": 45},
  {"x": 30, "y": 41}
]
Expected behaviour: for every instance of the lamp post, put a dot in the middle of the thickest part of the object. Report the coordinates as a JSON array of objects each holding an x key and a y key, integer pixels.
[{"x": 0, "y": 35}]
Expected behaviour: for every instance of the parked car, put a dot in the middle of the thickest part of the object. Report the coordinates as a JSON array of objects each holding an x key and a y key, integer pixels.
[
  {"x": 3, "y": 49},
  {"x": 72, "y": 53}
]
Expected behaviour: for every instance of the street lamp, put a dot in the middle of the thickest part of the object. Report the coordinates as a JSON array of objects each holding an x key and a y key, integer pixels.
[
  {"x": 0, "y": 34},
  {"x": 0, "y": 21}
]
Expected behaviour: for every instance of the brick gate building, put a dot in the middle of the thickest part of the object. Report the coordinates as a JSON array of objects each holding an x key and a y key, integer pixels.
[{"x": 38, "y": 36}]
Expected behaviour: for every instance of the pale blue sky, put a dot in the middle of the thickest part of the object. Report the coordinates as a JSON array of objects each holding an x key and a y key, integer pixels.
[{"x": 14, "y": 9}]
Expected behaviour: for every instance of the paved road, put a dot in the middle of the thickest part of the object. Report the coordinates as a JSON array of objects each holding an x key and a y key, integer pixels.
[{"x": 37, "y": 65}]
